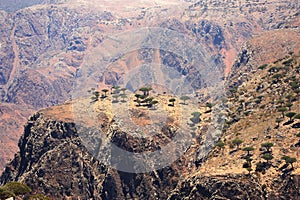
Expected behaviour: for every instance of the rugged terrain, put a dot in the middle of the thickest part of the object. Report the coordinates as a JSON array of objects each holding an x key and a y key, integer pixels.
[
  {"x": 254, "y": 45},
  {"x": 54, "y": 161},
  {"x": 43, "y": 46}
]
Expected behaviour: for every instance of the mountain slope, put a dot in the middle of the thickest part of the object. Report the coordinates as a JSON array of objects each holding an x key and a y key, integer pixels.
[{"x": 254, "y": 96}]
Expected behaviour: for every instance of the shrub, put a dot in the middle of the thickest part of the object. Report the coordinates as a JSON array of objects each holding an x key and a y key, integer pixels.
[
  {"x": 38, "y": 197},
  {"x": 260, "y": 167},
  {"x": 184, "y": 99},
  {"x": 297, "y": 116},
  {"x": 5, "y": 194},
  {"x": 220, "y": 144},
  {"x": 262, "y": 66},
  {"x": 17, "y": 188}
]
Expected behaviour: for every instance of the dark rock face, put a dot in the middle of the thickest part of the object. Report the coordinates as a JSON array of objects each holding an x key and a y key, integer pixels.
[
  {"x": 287, "y": 187},
  {"x": 50, "y": 148},
  {"x": 208, "y": 30},
  {"x": 52, "y": 160},
  {"x": 219, "y": 187}
]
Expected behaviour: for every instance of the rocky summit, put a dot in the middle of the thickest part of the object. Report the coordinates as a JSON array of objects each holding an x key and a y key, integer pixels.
[{"x": 90, "y": 89}]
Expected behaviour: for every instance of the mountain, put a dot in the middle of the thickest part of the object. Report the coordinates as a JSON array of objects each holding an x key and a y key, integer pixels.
[
  {"x": 54, "y": 154},
  {"x": 46, "y": 43},
  {"x": 54, "y": 51}
]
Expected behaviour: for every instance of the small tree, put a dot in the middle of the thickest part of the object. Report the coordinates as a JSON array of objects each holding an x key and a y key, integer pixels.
[
  {"x": 145, "y": 90},
  {"x": 209, "y": 105},
  {"x": 115, "y": 89},
  {"x": 184, "y": 99},
  {"x": 148, "y": 101},
  {"x": 123, "y": 96},
  {"x": 172, "y": 100},
  {"x": 281, "y": 101},
  {"x": 289, "y": 160},
  {"x": 96, "y": 96},
  {"x": 278, "y": 120},
  {"x": 267, "y": 146},
  {"x": 290, "y": 115},
  {"x": 105, "y": 91},
  {"x": 289, "y": 105},
  {"x": 267, "y": 157},
  {"x": 123, "y": 90},
  {"x": 138, "y": 96},
  {"x": 248, "y": 149},
  {"x": 220, "y": 145},
  {"x": 116, "y": 97},
  {"x": 237, "y": 142},
  {"x": 289, "y": 97},
  {"x": 153, "y": 103},
  {"x": 282, "y": 110},
  {"x": 277, "y": 77},
  {"x": 249, "y": 169}
]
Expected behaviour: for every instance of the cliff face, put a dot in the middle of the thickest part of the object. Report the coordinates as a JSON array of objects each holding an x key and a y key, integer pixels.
[{"x": 53, "y": 161}]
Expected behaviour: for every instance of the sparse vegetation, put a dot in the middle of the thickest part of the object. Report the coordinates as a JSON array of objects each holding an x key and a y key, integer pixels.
[
  {"x": 19, "y": 190},
  {"x": 237, "y": 142},
  {"x": 248, "y": 149},
  {"x": 105, "y": 92},
  {"x": 145, "y": 90},
  {"x": 172, "y": 101},
  {"x": 220, "y": 145},
  {"x": 13, "y": 189},
  {"x": 282, "y": 110},
  {"x": 289, "y": 160},
  {"x": 96, "y": 96},
  {"x": 290, "y": 115},
  {"x": 267, "y": 146},
  {"x": 184, "y": 99}
]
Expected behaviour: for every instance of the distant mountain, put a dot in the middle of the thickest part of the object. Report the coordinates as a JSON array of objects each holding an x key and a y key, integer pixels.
[{"x": 11, "y": 6}]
